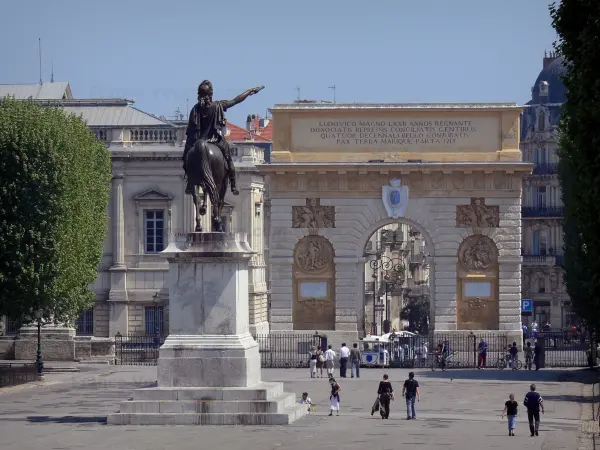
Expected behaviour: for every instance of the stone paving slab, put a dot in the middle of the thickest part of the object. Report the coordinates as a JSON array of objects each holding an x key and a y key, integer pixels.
[{"x": 459, "y": 409}]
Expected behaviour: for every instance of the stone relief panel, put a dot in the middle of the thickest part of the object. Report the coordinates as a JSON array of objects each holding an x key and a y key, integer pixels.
[
  {"x": 313, "y": 284},
  {"x": 313, "y": 215},
  {"x": 478, "y": 253},
  {"x": 477, "y": 215},
  {"x": 477, "y": 305}
]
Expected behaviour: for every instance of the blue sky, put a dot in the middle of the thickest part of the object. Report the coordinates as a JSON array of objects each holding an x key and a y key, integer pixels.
[{"x": 157, "y": 52}]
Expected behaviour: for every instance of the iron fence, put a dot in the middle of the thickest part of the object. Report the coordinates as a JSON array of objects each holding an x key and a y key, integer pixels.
[
  {"x": 460, "y": 350},
  {"x": 286, "y": 350},
  {"x": 137, "y": 350},
  {"x": 15, "y": 374},
  {"x": 563, "y": 348}
]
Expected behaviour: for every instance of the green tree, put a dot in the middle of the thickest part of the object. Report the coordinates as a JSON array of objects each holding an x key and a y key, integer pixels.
[
  {"x": 54, "y": 190},
  {"x": 577, "y": 23},
  {"x": 416, "y": 312}
]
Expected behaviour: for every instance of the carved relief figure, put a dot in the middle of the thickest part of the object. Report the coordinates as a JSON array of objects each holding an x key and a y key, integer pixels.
[
  {"x": 313, "y": 215},
  {"x": 477, "y": 214},
  {"x": 313, "y": 254},
  {"x": 477, "y": 253}
]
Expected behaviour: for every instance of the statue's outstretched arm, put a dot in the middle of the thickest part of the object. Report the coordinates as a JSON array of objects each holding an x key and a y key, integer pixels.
[{"x": 240, "y": 98}]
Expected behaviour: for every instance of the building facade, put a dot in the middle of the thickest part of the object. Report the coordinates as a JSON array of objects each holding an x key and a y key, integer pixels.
[
  {"x": 148, "y": 207},
  {"x": 542, "y": 210}
]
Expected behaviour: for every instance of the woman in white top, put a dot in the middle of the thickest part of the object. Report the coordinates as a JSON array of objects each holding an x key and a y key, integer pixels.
[{"x": 329, "y": 357}]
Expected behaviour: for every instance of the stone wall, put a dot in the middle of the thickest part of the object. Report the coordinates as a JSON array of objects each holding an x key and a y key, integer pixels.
[
  {"x": 101, "y": 318},
  {"x": 7, "y": 347},
  {"x": 136, "y": 318}
]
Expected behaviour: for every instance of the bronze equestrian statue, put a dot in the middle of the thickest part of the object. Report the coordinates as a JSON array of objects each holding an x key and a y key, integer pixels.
[{"x": 207, "y": 158}]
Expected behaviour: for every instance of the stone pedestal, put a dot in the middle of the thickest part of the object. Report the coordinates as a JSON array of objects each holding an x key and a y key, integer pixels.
[{"x": 209, "y": 366}]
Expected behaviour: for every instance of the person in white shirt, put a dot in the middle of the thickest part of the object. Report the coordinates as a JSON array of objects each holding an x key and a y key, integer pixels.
[
  {"x": 344, "y": 354},
  {"x": 305, "y": 400},
  {"x": 329, "y": 357}
]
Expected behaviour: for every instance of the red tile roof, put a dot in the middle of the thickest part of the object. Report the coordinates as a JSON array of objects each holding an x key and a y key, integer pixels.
[{"x": 239, "y": 134}]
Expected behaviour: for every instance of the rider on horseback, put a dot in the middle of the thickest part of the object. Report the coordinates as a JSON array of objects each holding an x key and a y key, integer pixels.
[{"x": 207, "y": 123}]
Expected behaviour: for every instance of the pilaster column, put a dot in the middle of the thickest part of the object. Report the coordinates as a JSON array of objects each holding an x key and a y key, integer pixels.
[
  {"x": 119, "y": 314},
  {"x": 119, "y": 223}
]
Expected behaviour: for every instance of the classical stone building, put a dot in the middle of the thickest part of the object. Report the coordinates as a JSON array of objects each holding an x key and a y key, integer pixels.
[
  {"x": 147, "y": 208},
  {"x": 542, "y": 210},
  {"x": 340, "y": 173}
]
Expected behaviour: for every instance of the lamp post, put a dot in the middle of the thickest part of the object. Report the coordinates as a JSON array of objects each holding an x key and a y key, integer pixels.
[
  {"x": 374, "y": 324},
  {"x": 37, "y": 314},
  {"x": 156, "y": 298},
  {"x": 393, "y": 271}
]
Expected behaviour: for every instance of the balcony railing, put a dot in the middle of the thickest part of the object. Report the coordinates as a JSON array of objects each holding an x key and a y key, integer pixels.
[
  {"x": 539, "y": 260},
  {"x": 545, "y": 169},
  {"x": 542, "y": 211}
]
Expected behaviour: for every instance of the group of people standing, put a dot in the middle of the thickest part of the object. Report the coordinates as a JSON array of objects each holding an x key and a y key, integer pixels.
[
  {"x": 532, "y": 355},
  {"x": 319, "y": 359}
]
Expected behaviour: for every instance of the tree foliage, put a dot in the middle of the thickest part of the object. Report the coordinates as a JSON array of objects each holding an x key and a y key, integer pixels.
[
  {"x": 416, "y": 312},
  {"x": 54, "y": 190},
  {"x": 577, "y": 23}
]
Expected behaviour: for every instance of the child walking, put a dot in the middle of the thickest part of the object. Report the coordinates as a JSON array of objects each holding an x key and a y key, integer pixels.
[
  {"x": 334, "y": 398},
  {"x": 510, "y": 410}
]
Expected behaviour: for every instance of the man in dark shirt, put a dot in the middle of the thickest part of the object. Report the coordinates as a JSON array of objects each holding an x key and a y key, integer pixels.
[
  {"x": 533, "y": 402},
  {"x": 537, "y": 353},
  {"x": 355, "y": 361},
  {"x": 411, "y": 391}
]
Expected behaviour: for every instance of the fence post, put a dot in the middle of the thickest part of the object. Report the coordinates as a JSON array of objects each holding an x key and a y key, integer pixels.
[{"x": 474, "y": 350}]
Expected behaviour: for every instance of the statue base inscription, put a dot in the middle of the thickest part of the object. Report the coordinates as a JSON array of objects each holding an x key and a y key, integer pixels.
[{"x": 209, "y": 366}]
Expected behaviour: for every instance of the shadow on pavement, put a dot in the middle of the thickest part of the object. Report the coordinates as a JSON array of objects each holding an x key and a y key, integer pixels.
[
  {"x": 584, "y": 375},
  {"x": 66, "y": 419}
]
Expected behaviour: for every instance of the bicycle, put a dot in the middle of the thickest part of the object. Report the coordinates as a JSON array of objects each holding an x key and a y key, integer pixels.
[
  {"x": 439, "y": 362},
  {"x": 504, "y": 361}
]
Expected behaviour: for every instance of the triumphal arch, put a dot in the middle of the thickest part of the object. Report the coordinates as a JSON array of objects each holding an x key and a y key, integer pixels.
[{"x": 339, "y": 172}]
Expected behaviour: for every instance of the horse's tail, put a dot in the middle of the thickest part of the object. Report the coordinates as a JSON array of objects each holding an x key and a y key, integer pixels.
[{"x": 209, "y": 180}]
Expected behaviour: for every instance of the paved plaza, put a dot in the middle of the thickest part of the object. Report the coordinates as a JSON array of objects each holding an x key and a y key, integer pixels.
[{"x": 459, "y": 409}]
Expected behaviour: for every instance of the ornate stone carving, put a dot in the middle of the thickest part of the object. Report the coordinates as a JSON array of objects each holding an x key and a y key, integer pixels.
[
  {"x": 313, "y": 215},
  {"x": 477, "y": 215},
  {"x": 500, "y": 181},
  {"x": 478, "y": 181},
  {"x": 314, "y": 254},
  {"x": 477, "y": 253},
  {"x": 437, "y": 181}
]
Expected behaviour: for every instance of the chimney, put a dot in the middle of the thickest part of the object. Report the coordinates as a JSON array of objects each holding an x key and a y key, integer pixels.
[{"x": 548, "y": 58}]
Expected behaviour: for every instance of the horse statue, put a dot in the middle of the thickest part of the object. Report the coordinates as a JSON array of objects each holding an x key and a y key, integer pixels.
[
  {"x": 207, "y": 157},
  {"x": 209, "y": 172}
]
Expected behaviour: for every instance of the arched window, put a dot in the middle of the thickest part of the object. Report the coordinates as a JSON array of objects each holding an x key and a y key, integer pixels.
[{"x": 541, "y": 121}]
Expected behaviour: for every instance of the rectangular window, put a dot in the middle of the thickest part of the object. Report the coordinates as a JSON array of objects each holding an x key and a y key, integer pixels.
[
  {"x": 85, "y": 323},
  {"x": 541, "y": 314},
  {"x": 154, "y": 231},
  {"x": 155, "y": 319},
  {"x": 535, "y": 243},
  {"x": 541, "y": 197},
  {"x": 11, "y": 327},
  {"x": 541, "y": 156},
  {"x": 544, "y": 243}
]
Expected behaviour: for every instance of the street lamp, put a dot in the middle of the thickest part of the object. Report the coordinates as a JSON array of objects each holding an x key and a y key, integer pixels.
[
  {"x": 394, "y": 274},
  {"x": 37, "y": 314}
]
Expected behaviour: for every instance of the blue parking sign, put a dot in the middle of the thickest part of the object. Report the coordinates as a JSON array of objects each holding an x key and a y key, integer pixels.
[{"x": 526, "y": 306}]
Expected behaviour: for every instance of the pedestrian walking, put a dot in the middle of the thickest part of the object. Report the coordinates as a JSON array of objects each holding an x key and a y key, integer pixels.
[
  {"x": 344, "y": 355},
  {"x": 482, "y": 349},
  {"x": 313, "y": 362},
  {"x": 537, "y": 354},
  {"x": 386, "y": 394},
  {"x": 355, "y": 358},
  {"x": 534, "y": 403},
  {"x": 329, "y": 357},
  {"x": 320, "y": 361},
  {"x": 528, "y": 356},
  {"x": 411, "y": 391},
  {"x": 334, "y": 397},
  {"x": 510, "y": 410},
  {"x": 513, "y": 352}
]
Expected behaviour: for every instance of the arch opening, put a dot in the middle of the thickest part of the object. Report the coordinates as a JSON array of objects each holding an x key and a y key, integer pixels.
[{"x": 398, "y": 278}]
